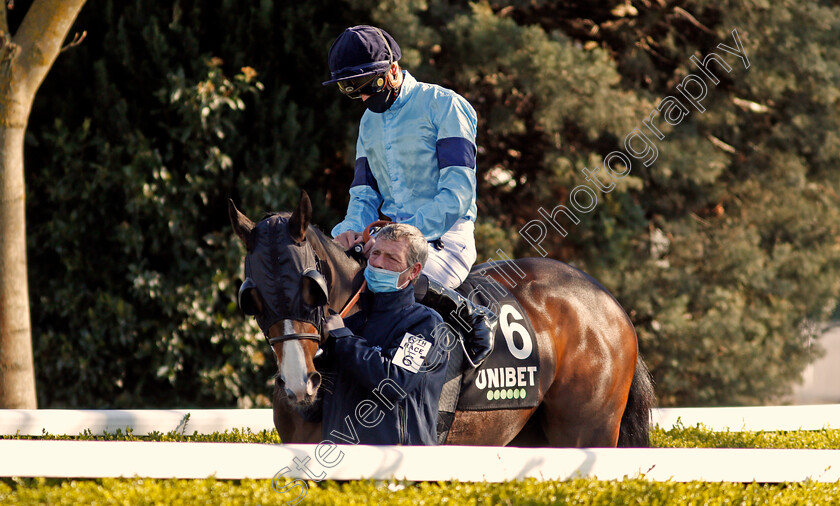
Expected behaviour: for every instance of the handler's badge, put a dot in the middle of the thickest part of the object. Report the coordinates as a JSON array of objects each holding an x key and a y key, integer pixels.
[{"x": 412, "y": 352}]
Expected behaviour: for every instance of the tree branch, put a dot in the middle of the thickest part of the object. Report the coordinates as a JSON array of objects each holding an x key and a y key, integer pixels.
[
  {"x": 40, "y": 37},
  {"x": 78, "y": 38},
  {"x": 6, "y": 45},
  {"x": 4, "y": 24},
  {"x": 691, "y": 19}
]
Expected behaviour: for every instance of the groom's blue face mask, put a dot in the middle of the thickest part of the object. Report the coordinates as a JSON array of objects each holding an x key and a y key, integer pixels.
[{"x": 383, "y": 280}]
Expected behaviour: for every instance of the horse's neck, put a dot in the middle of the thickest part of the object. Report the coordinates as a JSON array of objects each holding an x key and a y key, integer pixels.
[{"x": 342, "y": 269}]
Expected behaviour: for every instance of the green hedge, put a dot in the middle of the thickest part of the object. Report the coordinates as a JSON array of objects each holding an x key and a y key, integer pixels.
[
  {"x": 679, "y": 437},
  {"x": 228, "y": 436},
  {"x": 700, "y": 437},
  {"x": 210, "y": 491}
]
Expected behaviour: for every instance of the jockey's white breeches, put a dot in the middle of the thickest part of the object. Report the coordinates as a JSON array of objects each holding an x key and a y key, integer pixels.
[{"x": 451, "y": 265}]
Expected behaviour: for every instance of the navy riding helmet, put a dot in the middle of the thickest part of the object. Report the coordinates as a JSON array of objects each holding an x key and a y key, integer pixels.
[{"x": 359, "y": 59}]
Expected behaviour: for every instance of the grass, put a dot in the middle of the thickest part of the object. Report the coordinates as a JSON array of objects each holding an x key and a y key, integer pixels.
[
  {"x": 677, "y": 437},
  {"x": 590, "y": 492}
]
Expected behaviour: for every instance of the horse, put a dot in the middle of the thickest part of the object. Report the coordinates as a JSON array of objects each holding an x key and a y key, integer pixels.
[{"x": 594, "y": 388}]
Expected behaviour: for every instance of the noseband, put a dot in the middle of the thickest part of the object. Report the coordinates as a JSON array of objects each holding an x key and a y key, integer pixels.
[{"x": 289, "y": 333}]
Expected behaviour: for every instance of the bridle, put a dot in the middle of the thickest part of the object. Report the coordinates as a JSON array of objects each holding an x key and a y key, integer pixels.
[{"x": 311, "y": 332}]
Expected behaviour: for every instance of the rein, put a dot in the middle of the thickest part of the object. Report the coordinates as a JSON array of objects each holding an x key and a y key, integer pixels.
[
  {"x": 310, "y": 331},
  {"x": 355, "y": 298}
]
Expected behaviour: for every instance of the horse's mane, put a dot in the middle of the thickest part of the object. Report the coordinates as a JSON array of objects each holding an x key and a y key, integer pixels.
[{"x": 332, "y": 248}]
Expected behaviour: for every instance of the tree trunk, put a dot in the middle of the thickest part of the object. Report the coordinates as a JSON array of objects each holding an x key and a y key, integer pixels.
[
  {"x": 25, "y": 60},
  {"x": 17, "y": 375}
]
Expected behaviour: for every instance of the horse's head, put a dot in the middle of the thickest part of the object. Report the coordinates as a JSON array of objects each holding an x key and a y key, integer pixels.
[{"x": 286, "y": 293}]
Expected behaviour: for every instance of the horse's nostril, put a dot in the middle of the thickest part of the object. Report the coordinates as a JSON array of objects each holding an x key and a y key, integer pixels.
[
  {"x": 314, "y": 381},
  {"x": 290, "y": 395}
]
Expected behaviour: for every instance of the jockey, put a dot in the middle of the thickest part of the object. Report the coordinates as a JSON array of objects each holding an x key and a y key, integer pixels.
[{"x": 415, "y": 157}]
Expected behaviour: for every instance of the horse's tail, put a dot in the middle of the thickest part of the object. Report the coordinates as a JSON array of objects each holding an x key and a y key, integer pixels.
[{"x": 635, "y": 422}]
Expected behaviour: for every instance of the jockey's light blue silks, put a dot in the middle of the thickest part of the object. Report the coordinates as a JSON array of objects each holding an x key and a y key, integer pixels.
[{"x": 417, "y": 159}]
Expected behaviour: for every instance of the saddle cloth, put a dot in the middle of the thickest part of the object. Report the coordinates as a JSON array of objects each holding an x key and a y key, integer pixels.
[{"x": 509, "y": 378}]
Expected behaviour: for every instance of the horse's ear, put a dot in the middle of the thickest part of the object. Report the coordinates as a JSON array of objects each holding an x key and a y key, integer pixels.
[
  {"x": 243, "y": 226},
  {"x": 300, "y": 219}
]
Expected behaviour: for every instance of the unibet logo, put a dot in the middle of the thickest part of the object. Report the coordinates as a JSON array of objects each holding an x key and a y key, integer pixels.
[{"x": 505, "y": 377}]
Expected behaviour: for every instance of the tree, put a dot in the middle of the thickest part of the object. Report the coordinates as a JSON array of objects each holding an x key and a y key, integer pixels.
[
  {"x": 25, "y": 59},
  {"x": 171, "y": 122},
  {"x": 722, "y": 250}
]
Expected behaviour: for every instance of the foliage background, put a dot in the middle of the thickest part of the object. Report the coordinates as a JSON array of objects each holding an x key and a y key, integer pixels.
[{"x": 722, "y": 251}]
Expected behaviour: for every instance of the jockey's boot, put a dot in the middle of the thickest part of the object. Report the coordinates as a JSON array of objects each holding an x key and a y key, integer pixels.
[{"x": 476, "y": 322}]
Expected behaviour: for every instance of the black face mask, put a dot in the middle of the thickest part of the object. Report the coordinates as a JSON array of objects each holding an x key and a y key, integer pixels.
[
  {"x": 274, "y": 268},
  {"x": 382, "y": 101}
]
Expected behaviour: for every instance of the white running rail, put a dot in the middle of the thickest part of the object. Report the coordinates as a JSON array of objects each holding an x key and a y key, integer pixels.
[{"x": 101, "y": 459}]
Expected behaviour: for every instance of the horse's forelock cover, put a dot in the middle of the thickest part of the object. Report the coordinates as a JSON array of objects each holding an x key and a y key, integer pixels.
[{"x": 275, "y": 265}]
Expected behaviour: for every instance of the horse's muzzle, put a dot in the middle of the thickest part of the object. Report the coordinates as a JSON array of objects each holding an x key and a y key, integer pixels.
[{"x": 313, "y": 381}]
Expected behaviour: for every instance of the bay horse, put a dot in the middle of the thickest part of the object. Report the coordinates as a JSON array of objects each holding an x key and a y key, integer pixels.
[{"x": 594, "y": 388}]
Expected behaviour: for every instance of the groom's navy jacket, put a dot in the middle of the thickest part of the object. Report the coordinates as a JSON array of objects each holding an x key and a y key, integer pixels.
[{"x": 385, "y": 400}]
